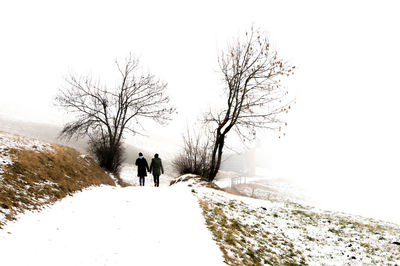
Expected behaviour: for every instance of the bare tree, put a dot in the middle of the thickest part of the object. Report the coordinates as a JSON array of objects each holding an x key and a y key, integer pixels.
[
  {"x": 255, "y": 96},
  {"x": 104, "y": 114}
]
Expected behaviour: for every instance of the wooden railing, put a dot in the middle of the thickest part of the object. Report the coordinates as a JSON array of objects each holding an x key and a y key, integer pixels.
[{"x": 238, "y": 180}]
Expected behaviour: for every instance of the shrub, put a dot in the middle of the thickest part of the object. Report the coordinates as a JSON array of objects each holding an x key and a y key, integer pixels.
[
  {"x": 194, "y": 159},
  {"x": 109, "y": 157}
]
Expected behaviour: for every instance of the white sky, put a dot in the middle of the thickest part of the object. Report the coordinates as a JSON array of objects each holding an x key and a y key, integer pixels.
[{"x": 343, "y": 133}]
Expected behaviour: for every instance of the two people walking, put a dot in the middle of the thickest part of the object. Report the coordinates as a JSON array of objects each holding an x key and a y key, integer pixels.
[{"x": 156, "y": 168}]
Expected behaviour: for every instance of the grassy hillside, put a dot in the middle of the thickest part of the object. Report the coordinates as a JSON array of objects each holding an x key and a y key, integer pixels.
[
  {"x": 274, "y": 232},
  {"x": 33, "y": 174}
]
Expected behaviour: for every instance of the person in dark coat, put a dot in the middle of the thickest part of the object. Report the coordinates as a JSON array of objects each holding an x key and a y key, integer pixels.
[
  {"x": 156, "y": 168},
  {"x": 142, "y": 168}
]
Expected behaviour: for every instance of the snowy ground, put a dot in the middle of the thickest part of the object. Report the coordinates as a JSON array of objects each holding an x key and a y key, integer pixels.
[
  {"x": 165, "y": 226},
  {"x": 265, "y": 232},
  {"x": 109, "y": 225},
  {"x": 113, "y": 226}
]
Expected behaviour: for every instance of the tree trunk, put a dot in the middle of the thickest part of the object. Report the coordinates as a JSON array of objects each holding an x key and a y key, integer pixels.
[{"x": 216, "y": 156}]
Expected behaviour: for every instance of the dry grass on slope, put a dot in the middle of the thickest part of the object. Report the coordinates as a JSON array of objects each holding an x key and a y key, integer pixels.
[
  {"x": 36, "y": 177},
  {"x": 262, "y": 232}
]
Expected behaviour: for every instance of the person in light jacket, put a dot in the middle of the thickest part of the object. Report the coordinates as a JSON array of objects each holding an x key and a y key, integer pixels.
[
  {"x": 156, "y": 168},
  {"x": 142, "y": 168}
]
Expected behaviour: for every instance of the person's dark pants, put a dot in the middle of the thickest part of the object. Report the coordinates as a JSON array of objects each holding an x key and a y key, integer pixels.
[
  {"x": 141, "y": 180},
  {"x": 156, "y": 180}
]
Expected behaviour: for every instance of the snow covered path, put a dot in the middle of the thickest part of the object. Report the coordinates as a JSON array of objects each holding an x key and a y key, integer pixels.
[{"x": 113, "y": 226}]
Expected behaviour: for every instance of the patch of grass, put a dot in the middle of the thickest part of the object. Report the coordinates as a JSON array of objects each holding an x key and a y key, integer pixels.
[
  {"x": 334, "y": 231},
  {"x": 244, "y": 244},
  {"x": 253, "y": 257},
  {"x": 309, "y": 238},
  {"x": 235, "y": 225}
]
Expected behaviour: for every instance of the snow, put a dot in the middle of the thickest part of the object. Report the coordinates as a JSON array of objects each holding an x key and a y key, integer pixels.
[
  {"x": 11, "y": 141},
  {"x": 165, "y": 226},
  {"x": 113, "y": 226}
]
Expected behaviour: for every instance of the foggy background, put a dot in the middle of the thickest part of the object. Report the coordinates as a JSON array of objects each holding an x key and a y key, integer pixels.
[{"x": 341, "y": 146}]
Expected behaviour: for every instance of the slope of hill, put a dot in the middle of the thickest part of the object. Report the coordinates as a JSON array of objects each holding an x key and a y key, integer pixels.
[
  {"x": 49, "y": 133},
  {"x": 34, "y": 173},
  {"x": 41, "y": 131},
  {"x": 267, "y": 232}
]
